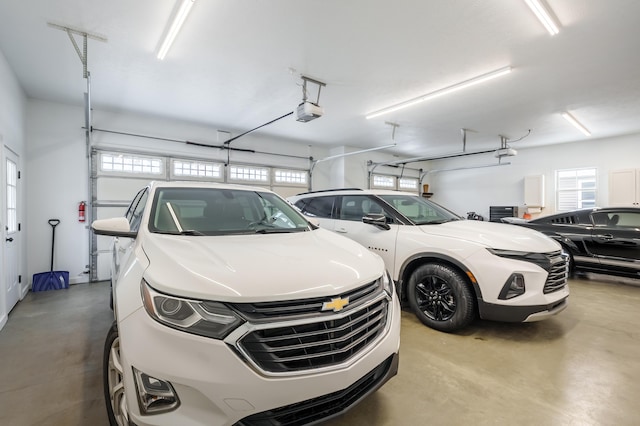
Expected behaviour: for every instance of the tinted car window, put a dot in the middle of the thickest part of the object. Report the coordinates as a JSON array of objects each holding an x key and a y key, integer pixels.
[
  {"x": 628, "y": 220},
  {"x": 351, "y": 207},
  {"x": 616, "y": 219},
  {"x": 355, "y": 207},
  {"x": 316, "y": 206}
]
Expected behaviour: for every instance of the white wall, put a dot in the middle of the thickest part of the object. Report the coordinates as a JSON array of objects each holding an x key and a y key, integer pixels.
[
  {"x": 57, "y": 182},
  {"x": 477, "y": 189},
  {"x": 12, "y": 135}
]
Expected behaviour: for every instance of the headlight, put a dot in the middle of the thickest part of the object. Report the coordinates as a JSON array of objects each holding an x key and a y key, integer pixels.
[
  {"x": 205, "y": 318},
  {"x": 539, "y": 259}
]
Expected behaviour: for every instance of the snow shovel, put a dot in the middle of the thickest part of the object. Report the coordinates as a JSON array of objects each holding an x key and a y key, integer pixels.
[{"x": 52, "y": 280}]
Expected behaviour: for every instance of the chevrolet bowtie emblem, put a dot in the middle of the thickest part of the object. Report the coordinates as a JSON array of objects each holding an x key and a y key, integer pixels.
[{"x": 336, "y": 304}]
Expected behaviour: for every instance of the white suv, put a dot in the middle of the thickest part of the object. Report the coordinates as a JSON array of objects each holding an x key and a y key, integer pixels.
[
  {"x": 231, "y": 308},
  {"x": 449, "y": 269}
]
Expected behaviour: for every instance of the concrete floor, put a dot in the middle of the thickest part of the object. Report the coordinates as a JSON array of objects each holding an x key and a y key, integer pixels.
[{"x": 581, "y": 367}]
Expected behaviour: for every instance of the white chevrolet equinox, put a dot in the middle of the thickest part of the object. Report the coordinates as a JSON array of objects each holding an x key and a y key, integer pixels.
[
  {"x": 231, "y": 308},
  {"x": 450, "y": 270}
]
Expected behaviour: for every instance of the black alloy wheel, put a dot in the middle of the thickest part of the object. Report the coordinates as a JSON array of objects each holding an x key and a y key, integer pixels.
[{"x": 440, "y": 297}]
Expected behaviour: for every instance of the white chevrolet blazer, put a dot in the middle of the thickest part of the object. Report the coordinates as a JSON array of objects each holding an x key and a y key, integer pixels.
[
  {"x": 231, "y": 308},
  {"x": 450, "y": 270}
]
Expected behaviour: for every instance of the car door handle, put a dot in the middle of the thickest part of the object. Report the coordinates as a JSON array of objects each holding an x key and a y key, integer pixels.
[
  {"x": 341, "y": 230},
  {"x": 606, "y": 237},
  {"x": 9, "y": 239}
]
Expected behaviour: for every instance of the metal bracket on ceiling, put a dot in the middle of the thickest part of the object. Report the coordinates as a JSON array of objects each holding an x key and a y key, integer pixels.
[
  {"x": 85, "y": 35},
  {"x": 306, "y": 80},
  {"x": 393, "y": 130}
]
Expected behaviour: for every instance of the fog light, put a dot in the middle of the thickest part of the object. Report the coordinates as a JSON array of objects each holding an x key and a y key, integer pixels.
[
  {"x": 154, "y": 395},
  {"x": 513, "y": 287}
]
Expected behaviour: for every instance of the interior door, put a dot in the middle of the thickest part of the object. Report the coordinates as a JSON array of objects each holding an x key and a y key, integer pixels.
[{"x": 12, "y": 236}]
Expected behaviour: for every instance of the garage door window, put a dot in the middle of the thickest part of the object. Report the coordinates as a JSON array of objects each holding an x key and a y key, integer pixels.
[
  {"x": 249, "y": 174},
  {"x": 408, "y": 184},
  {"x": 290, "y": 177},
  {"x": 131, "y": 164},
  {"x": 575, "y": 189},
  {"x": 197, "y": 169},
  {"x": 381, "y": 181}
]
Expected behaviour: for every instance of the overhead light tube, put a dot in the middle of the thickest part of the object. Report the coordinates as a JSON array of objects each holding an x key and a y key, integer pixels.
[
  {"x": 571, "y": 119},
  {"x": 543, "y": 16},
  {"x": 449, "y": 89},
  {"x": 176, "y": 24}
]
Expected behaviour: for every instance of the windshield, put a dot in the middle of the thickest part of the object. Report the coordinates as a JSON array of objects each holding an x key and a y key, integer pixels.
[
  {"x": 217, "y": 211},
  {"x": 419, "y": 210}
]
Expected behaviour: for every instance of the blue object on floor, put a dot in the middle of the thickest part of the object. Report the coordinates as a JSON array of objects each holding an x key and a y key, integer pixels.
[{"x": 52, "y": 280}]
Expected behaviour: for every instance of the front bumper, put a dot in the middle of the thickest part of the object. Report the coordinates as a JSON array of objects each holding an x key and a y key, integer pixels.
[
  {"x": 216, "y": 386},
  {"x": 544, "y": 295},
  {"x": 505, "y": 313}
]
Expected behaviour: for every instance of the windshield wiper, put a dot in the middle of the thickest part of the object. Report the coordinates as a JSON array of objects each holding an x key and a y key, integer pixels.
[
  {"x": 436, "y": 222},
  {"x": 183, "y": 232},
  {"x": 276, "y": 230}
]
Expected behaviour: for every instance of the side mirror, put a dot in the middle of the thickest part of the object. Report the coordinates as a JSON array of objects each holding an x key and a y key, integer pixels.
[
  {"x": 378, "y": 220},
  {"x": 114, "y": 227}
]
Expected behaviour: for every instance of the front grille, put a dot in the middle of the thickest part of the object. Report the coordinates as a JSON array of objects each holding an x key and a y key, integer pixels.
[
  {"x": 558, "y": 272},
  {"x": 319, "y": 408},
  {"x": 302, "y": 307},
  {"x": 291, "y": 348}
]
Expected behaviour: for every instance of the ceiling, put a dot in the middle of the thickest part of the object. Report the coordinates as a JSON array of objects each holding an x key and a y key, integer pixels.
[{"x": 237, "y": 64}]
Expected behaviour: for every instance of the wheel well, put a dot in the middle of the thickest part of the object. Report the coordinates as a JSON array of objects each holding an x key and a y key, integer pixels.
[{"x": 412, "y": 265}]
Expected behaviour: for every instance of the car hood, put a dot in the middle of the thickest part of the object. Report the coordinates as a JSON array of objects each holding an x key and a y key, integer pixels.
[
  {"x": 258, "y": 267},
  {"x": 494, "y": 235}
]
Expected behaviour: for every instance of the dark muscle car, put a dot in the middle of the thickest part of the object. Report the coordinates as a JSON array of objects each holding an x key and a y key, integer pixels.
[{"x": 604, "y": 240}]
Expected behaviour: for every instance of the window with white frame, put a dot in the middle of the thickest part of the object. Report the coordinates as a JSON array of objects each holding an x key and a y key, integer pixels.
[
  {"x": 290, "y": 177},
  {"x": 381, "y": 181},
  {"x": 134, "y": 164},
  {"x": 249, "y": 174},
  {"x": 197, "y": 169},
  {"x": 575, "y": 189},
  {"x": 410, "y": 184},
  {"x": 12, "y": 197}
]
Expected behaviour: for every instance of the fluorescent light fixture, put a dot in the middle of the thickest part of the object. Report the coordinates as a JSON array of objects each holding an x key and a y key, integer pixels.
[
  {"x": 176, "y": 24},
  {"x": 443, "y": 91},
  {"x": 543, "y": 16},
  {"x": 570, "y": 118}
]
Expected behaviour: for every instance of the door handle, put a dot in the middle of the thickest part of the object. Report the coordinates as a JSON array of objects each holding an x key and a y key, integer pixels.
[
  {"x": 341, "y": 230},
  {"x": 9, "y": 239},
  {"x": 606, "y": 237}
]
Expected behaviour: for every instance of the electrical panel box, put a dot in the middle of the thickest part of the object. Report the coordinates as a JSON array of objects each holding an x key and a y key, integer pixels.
[{"x": 534, "y": 191}]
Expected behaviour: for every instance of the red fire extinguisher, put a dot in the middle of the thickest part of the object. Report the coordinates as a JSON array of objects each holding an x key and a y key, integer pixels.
[{"x": 81, "y": 209}]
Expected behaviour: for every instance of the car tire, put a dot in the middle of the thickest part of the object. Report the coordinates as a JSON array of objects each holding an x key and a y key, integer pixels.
[
  {"x": 113, "y": 380},
  {"x": 440, "y": 297}
]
